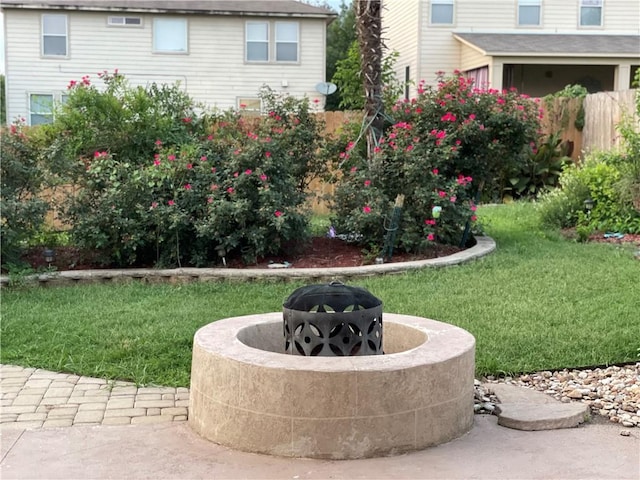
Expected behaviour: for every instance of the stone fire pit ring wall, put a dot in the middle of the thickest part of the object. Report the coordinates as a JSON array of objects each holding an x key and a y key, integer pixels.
[{"x": 248, "y": 396}]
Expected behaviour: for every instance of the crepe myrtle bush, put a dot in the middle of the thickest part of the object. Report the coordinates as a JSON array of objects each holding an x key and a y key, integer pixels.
[
  {"x": 442, "y": 149},
  {"x": 234, "y": 187}
]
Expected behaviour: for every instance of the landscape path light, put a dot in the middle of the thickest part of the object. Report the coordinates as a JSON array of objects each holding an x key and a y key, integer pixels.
[
  {"x": 588, "y": 205},
  {"x": 49, "y": 255}
]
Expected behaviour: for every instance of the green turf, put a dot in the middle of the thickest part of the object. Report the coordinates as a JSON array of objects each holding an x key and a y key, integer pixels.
[{"x": 539, "y": 302}]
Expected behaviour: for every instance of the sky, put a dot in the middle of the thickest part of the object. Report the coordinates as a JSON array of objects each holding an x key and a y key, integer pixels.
[{"x": 335, "y": 4}]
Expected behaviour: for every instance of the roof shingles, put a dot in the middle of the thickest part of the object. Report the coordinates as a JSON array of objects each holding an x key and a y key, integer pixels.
[
  {"x": 553, "y": 44},
  {"x": 285, "y": 7}
]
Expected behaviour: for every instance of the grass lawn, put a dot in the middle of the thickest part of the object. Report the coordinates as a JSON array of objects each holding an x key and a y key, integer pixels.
[{"x": 539, "y": 302}]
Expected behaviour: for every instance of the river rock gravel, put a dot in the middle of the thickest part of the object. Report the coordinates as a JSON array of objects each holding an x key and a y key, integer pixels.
[{"x": 613, "y": 392}]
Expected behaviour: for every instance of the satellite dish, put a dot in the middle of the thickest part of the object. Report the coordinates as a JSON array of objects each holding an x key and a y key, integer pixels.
[{"x": 326, "y": 88}]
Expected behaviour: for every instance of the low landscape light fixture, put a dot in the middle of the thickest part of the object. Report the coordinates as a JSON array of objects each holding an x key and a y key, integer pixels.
[
  {"x": 588, "y": 205},
  {"x": 49, "y": 255}
]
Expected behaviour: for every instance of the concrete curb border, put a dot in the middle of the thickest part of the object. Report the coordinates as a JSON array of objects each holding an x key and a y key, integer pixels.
[{"x": 484, "y": 246}]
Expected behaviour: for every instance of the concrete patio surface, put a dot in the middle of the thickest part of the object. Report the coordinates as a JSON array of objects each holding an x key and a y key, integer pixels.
[
  {"x": 173, "y": 451},
  {"x": 62, "y": 426}
]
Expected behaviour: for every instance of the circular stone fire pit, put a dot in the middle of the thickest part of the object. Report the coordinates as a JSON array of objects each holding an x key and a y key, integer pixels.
[{"x": 247, "y": 394}]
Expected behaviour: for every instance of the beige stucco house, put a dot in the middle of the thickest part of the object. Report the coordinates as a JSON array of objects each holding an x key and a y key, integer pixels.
[
  {"x": 221, "y": 51},
  {"x": 536, "y": 46}
]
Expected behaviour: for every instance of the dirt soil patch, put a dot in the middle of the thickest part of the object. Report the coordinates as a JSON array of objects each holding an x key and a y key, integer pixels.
[{"x": 319, "y": 252}]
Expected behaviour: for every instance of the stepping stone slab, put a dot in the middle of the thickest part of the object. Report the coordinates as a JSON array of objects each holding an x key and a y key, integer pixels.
[{"x": 526, "y": 409}]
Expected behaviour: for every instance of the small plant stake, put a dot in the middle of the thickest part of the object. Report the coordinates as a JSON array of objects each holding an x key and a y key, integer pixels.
[{"x": 392, "y": 229}]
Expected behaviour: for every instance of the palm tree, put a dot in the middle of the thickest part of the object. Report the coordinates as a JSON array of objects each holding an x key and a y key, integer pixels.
[{"x": 369, "y": 32}]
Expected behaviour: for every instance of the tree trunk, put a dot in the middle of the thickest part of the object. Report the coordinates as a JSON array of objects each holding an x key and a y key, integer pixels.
[{"x": 369, "y": 30}]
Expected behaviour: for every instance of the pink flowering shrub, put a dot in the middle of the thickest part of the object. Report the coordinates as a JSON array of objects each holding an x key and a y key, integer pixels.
[
  {"x": 198, "y": 189},
  {"x": 490, "y": 133},
  {"x": 442, "y": 149},
  {"x": 22, "y": 212},
  {"x": 104, "y": 113}
]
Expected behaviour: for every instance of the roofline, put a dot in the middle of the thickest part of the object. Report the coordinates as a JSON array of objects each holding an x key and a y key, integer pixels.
[
  {"x": 85, "y": 8},
  {"x": 468, "y": 43},
  {"x": 544, "y": 54},
  {"x": 565, "y": 54}
]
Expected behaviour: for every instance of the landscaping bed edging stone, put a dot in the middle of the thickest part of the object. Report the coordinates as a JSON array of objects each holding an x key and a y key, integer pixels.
[{"x": 484, "y": 246}]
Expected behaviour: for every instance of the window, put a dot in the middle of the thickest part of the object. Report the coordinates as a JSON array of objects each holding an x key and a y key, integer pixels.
[
  {"x": 170, "y": 35},
  {"x": 529, "y": 12},
  {"x": 250, "y": 106},
  {"x": 125, "y": 21},
  {"x": 590, "y": 13},
  {"x": 263, "y": 46},
  {"x": 40, "y": 108},
  {"x": 442, "y": 12},
  {"x": 286, "y": 42},
  {"x": 54, "y": 35},
  {"x": 257, "y": 35}
]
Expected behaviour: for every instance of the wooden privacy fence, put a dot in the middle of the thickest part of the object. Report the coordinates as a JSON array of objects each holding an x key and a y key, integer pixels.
[
  {"x": 603, "y": 112},
  {"x": 319, "y": 190},
  {"x": 597, "y": 116}
]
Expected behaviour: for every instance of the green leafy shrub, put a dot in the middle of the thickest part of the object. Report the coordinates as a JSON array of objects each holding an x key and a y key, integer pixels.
[
  {"x": 611, "y": 180},
  {"x": 193, "y": 190},
  {"x": 444, "y": 146},
  {"x": 561, "y": 110},
  {"x": 559, "y": 208},
  {"x": 23, "y": 179},
  {"x": 348, "y": 78},
  {"x": 629, "y": 164},
  {"x": 541, "y": 171},
  {"x": 596, "y": 179}
]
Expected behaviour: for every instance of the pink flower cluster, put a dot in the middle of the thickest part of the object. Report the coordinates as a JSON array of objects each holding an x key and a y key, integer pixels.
[
  {"x": 85, "y": 82},
  {"x": 275, "y": 116},
  {"x": 448, "y": 117},
  {"x": 462, "y": 180}
]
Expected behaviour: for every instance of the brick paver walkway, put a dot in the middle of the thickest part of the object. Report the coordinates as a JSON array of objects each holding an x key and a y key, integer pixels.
[{"x": 36, "y": 398}]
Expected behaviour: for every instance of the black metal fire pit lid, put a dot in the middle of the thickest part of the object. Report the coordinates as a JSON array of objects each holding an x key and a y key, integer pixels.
[{"x": 335, "y": 295}]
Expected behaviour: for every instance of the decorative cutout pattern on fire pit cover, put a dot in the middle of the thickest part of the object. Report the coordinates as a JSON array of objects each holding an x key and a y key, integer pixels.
[{"x": 332, "y": 320}]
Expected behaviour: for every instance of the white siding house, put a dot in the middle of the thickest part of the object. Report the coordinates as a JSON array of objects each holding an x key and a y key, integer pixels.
[
  {"x": 536, "y": 46},
  {"x": 221, "y": 52}
]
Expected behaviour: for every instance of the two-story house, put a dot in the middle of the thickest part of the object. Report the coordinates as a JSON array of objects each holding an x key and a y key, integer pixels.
[
  {"x": 536, "y": 46},
  {"x": 221, "y": 51}
]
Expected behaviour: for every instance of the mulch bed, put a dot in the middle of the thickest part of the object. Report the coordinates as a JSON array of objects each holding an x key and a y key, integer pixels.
[
  {"x": 602, "y": 237},
  {"x": 319, "y": 252}
]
